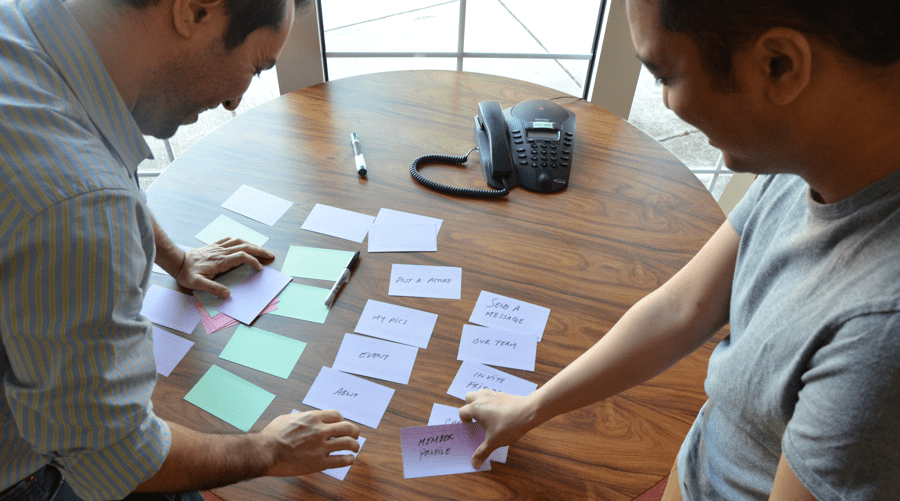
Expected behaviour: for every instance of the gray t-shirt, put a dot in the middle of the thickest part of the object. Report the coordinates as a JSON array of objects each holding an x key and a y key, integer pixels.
[{"x": 811, "y": 368}]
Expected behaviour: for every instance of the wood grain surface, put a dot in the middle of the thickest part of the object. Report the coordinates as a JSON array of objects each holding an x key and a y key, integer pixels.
[{"x": 630, "y": 218}]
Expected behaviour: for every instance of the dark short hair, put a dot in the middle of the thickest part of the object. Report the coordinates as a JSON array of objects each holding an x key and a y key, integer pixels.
[
  {"x": 244, "y": 16},
  {"x": 865, "y": 31}
]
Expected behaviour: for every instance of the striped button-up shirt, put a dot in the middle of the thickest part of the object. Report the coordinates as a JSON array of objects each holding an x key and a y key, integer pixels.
[{"x": 76, "y": 248}]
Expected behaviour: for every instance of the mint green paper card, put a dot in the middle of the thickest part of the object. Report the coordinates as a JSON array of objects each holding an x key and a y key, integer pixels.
[
  {"x": 303, "y": 303},
  {"x": 238, "y": 402},
  {"x": 224, "y": 226},
  {"x": 263, "y": 350},
  {"x": 312, "y": 262}
]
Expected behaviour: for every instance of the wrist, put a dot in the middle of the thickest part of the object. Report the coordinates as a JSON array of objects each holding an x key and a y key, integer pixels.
[
  {"x": 263, "y": 451},
  {"x": 532, "y": 411},
  {"x": 181, "y": 266}
]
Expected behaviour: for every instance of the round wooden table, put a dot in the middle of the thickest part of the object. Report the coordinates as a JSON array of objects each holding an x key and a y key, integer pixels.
[{"x": 631, "y": 216}]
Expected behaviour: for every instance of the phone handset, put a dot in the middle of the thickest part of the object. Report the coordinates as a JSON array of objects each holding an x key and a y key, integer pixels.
[{"x": 493, "y": 144}]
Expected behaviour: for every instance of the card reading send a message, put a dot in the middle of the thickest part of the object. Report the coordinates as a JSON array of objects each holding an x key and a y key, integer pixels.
[{"x": 501, "y": 312}]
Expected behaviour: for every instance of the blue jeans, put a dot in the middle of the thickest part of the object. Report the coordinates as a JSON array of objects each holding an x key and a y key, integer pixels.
[{"x": 48, "y": 484}]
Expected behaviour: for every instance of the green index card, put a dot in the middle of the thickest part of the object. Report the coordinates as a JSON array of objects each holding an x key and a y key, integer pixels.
[
  {"x": 224, "y": 226},
  {"x": 303, "y": 303},
  {"x": 263, "y": 350},
  {"x": 312, "y": 262},
  {"x": 233, "y": 400}
]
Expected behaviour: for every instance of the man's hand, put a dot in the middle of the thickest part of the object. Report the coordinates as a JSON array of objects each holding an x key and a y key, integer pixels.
[
  {"x": 302, "y": 442},
  {"x": 204, "y": 263},
  {"x": 505, "y": 418}
]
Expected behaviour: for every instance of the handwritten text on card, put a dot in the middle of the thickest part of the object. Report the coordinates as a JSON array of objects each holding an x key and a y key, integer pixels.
[
  {"x": 443, "y": 282},
  {"x": 500, "y": 312}
]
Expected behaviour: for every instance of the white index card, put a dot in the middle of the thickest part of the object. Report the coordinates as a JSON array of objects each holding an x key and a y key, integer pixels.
[
  {"x": 355, "y": 398},
  {"x": 501, "y": 312},
  {"x": 440, "y": 282},
  {"x": 496, "y": 347},
  {"x": 402, "y": 238},
  {"x": 376, "y": 358},
  {"x": 396, "y": 323},
  {"x": 390, "y": 216},
  {"x": 473, "y": 376},
  {"x": 338, "y": 223},
  {"x": 257, "y": 204}
]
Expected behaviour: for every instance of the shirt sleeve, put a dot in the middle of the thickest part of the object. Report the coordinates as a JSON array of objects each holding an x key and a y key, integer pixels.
[
  {"x": 741, "y": 212},
  {"x": 81, "y": 355},
  {"x": 843, "y": 439}
]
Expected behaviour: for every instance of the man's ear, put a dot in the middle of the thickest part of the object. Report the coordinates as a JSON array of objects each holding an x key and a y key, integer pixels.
[
  {"x": 190, "y": 16},
  {"x": 785, "y": 59}
]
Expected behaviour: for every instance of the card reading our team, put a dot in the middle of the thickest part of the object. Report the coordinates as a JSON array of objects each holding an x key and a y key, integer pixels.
[{"x": 497, "y": 347}]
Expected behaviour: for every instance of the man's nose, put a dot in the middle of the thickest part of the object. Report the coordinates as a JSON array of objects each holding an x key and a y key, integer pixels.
[{"x": 232, "y": 104}]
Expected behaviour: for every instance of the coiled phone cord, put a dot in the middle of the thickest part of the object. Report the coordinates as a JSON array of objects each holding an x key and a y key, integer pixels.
[{"x": 452, "y": 190}]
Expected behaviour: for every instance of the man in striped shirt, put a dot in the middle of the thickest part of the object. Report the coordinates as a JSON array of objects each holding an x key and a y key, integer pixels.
[{"x": 82, "y": 80}]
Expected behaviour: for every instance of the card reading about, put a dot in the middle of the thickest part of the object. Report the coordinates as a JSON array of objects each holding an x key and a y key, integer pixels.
[
  {"x": 313, "y": 262},
  {"x": 473, "y": 376},
  {"x": 168, "y": 350},
  {"x": 356, "y": 398},
  {"x": 338, "y": 223},
  {"x": 439, "y": 282},
  {"x": 257, "y": 204},
  {"x": 396, "y": 323},
  {"x": 500, "y": 312},
  {"x": 238, "y": 402},
  {"x": 224, "y": 227},
  {"x": 170, "y": 309},
  {"x": 263, "y": 350},
  {"x": 444, "y": 414},
  {"x": 376, "y": 358},
  {"x": 496, "y": 347},
  {"x": 429, "y": 451}
]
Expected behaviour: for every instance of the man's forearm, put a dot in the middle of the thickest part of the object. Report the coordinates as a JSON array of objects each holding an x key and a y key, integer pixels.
[
  {"x": 168, "y": 255},
  {"x": 198, "y": 461},
  {"x": 656, "y": 333}
]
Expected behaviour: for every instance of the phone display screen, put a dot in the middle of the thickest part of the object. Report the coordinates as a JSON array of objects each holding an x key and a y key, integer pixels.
[{"x": 542, "y": 134}]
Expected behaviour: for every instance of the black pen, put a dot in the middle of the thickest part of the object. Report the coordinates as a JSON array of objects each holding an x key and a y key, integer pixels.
[
  {"x": 344, "y": 278},
  {"x": 357, "y": 154}
]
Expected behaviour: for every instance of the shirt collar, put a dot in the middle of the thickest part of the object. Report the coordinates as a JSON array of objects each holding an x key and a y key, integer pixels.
[{"x": 80, "y": 65}]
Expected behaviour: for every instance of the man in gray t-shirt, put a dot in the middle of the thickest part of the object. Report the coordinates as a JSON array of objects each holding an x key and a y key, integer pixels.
[
  {"x": 811, "y": 368},
  {"x": 804, "y": 395}
]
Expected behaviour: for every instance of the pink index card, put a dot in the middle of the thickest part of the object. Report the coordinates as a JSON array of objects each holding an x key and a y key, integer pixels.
[
  {"x": 221, "y": 320},
  {"x": 168, "y": 350},
  {"x": 170, "y": 309},
  {"x": 429, "y": 451},
  {"x": 251, "y": 292}
]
